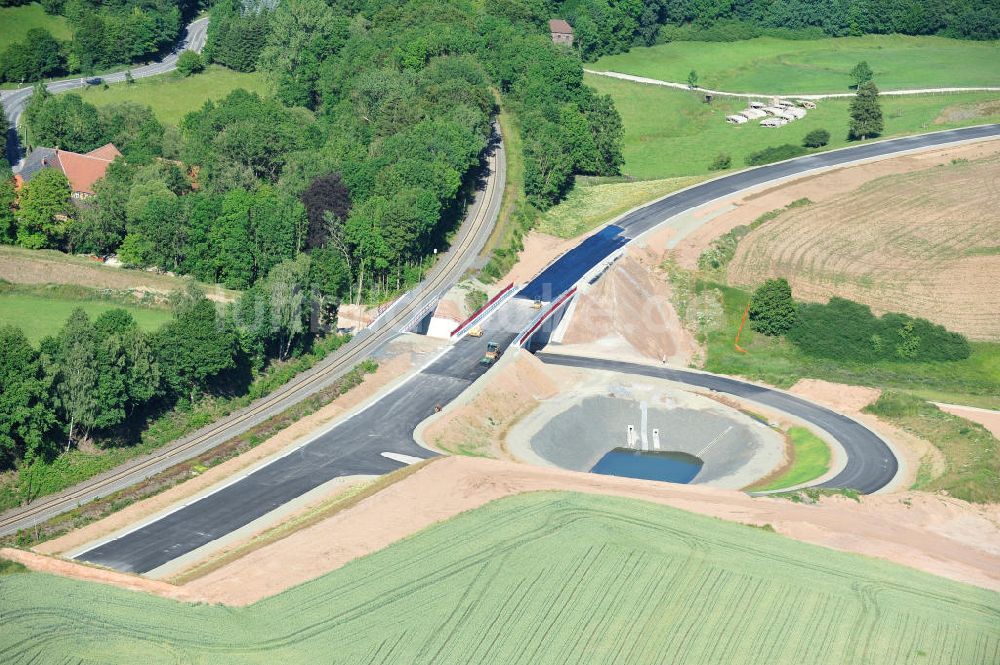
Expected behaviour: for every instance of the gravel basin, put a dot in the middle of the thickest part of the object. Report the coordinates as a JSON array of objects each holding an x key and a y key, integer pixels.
[{"x": 735, "y": 449}]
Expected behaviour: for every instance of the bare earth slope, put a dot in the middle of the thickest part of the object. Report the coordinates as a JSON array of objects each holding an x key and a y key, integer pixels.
[{"x": 926, "y": 243}]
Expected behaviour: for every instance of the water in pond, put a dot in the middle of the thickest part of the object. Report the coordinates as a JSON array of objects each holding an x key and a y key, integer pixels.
[{"x": 671, "y": 467}]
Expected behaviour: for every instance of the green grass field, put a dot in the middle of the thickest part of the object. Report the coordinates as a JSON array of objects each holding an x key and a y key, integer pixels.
[
  {"x": 670, "y": 132},
  {"x": 172, "y": 96},
  {"x": 16, "y": 21},
  {"x": 810, "y": 461},
  {"x": 39, "y": 316},
  {"x": 538, "y": 578},
  {"x": 767, "y": 65}
]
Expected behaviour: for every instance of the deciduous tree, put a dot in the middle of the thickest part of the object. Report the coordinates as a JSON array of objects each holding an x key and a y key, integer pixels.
[
  {"x": 26, "y": 414},
  {"x": 74, "y": 363},
  {"x": 772, "y": 309},
  {"x": 195, "y": 347},
  {"x": 861, "y": 74},
  {"x": 43, "y": 210}
]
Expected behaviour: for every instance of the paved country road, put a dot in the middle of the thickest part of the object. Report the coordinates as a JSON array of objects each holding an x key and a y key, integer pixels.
[
  {"x": 356, "y": 445},
  {"x": 871, "y": 464},
  {"x": 15, "y": 101}
]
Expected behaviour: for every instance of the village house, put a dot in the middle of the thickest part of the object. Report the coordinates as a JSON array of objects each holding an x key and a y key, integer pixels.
[
  {"x": 82, "y": 170},
  {"x": 562, "y": 32}
]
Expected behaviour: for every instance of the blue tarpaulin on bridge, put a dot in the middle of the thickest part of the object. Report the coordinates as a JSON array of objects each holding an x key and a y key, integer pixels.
[{"x": 573, "y": 265}]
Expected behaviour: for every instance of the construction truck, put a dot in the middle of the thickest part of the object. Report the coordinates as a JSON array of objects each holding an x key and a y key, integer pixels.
[{"x": 491, "y": 355}]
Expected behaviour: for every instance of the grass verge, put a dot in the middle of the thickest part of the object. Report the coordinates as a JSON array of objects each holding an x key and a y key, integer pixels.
[
  {"x": 810, "y": 459},
  {"x": 971, "y": 452},
  {"x": 594, "y": 201},
  {"x": 172, "y": 96},
  {"x": 8, "y": 567},
  {"x": 350, "y": 497},
  {"x": 517, "y": 216},
  {"x": 768, "y": 65}
]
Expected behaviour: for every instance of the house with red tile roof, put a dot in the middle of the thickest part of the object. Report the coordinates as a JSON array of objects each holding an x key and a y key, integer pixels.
[{"x": 82, "y": 170}]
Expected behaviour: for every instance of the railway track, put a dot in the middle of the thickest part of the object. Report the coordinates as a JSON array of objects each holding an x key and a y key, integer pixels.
[{"x": 449, "y": 270}]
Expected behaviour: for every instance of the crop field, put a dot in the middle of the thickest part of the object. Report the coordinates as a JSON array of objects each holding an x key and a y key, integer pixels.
[
  {"x": 590, "y": 204},
  {"x": 538, "y": 578},
  {"x": 16, "y": 21},
  {"x": 172, "y": 96},
  {"x": 39, "y": 316},
  {"x": 811, "y": 460},
  {"x": 767, "y": 65},
  {"x": 925, "y": 243},
  {"x": 671, "y": 133}
]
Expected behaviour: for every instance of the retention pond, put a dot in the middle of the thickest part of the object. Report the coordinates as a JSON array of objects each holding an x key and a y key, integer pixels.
[{"x": 671, "y": 467}]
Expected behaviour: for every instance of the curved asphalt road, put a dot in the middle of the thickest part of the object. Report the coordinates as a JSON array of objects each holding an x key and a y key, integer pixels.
[
  {"x": 356, "y": 445},
  {"x": 15, "y": 101},
  {"x": 870, "y": 463}
]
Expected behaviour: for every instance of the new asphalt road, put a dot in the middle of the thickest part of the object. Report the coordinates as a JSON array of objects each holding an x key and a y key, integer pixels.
[
  {"x": 356, "y": 445},
  {"x": 15, "y": 101},
  {"x": 870, "y": 463}
]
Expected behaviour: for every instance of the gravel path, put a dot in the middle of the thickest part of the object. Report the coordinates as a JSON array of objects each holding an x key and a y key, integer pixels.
[{"x": 759, "y": 95}]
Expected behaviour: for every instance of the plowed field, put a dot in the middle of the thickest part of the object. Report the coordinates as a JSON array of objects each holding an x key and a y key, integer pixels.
[
  {"x": 537, "y": 578},
  {"x": 925, "y": 243}
]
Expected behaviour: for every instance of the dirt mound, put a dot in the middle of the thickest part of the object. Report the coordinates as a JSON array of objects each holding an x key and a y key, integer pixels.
[
  {"x": 477, "y": 422},
  {"x": 630, "y": 303},
  {"x": 925, "y": 243}
]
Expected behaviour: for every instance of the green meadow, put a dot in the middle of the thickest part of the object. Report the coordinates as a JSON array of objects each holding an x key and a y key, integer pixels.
[
  {"x": 16, "y": 21},
  {"x": 172, "y": 96},
  {"x": 671, "y": 133},
  {"x": 39, "y": 315}
]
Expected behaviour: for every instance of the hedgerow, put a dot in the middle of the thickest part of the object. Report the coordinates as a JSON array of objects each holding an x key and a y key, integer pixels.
[{"x": 845, "y": 330}]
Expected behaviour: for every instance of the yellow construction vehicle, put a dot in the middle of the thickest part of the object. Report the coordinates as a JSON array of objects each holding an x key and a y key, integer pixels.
[{"x": 491, "y": 355}]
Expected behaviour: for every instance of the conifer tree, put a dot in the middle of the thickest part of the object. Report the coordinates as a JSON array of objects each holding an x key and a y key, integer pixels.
[{"x": 866, "y": 113}]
